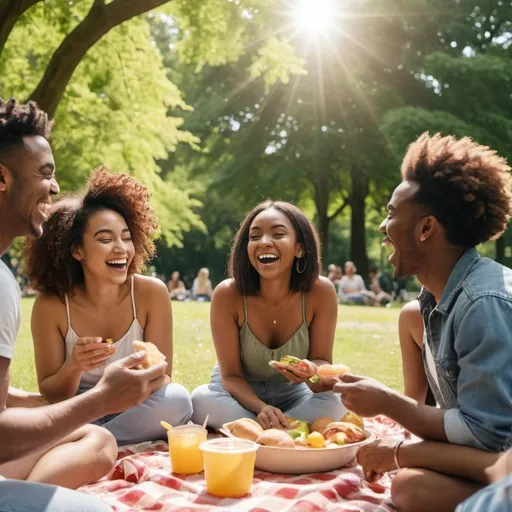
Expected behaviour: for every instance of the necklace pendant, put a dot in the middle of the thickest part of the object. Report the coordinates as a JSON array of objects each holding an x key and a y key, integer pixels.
[{"x": 274, "y": 322}]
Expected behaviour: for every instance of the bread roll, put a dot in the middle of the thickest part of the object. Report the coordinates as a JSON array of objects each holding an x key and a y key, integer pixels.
[
  {"x": 274, "y": 437},
  {"x": 153, "y": 355},
  {"x": 245, "y": 428}
]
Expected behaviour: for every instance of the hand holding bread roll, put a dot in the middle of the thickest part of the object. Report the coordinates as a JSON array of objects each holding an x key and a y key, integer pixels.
[{"x": 153, "y": 355}]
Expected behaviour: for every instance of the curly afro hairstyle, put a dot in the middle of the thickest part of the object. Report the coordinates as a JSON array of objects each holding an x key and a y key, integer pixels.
[
  {"x": 18, "y": 121},
  {"x": 466, "y": 186},
  {"x": 50, "y": 266},
  {"x": 245, "y": 275}
]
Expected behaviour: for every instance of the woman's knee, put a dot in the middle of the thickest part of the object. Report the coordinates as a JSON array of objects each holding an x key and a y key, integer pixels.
[
  {"x": 202, "y": 401},
  {"x": 174, "y": 401}
]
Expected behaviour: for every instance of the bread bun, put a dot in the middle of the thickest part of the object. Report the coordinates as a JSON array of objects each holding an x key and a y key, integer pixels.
[
  {"x": 274, "y": 437},
  {"x": 332, "y": 370},
  {"x": 245, "y": 428},
  {"x": 153, "y": 355},
  {"x": 320, "y": 423}
]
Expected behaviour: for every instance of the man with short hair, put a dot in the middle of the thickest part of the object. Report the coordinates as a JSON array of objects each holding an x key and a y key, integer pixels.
[
  {"x": 455, "y": 194},
  {"x": 50, "y": 443}
]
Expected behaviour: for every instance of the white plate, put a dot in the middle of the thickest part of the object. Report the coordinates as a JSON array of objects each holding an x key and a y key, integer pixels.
[{"x": 304, "y": 460}]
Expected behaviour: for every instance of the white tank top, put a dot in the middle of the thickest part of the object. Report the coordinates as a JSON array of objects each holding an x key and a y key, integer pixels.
[{"x": 124, "y": 346}]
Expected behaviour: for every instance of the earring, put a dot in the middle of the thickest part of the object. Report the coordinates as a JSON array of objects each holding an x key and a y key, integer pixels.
[
  {"x": 422, "y": 239},
  {"x": 297, "y": 266}
]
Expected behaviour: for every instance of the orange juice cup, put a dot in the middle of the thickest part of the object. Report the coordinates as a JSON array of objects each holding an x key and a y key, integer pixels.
[
  {"x": 184, "y": 441},
  {"x": 229, "y": 466}
]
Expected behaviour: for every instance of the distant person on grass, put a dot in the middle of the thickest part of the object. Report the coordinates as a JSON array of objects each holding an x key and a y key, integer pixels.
[
  {"x": 454, "y": 195},
  {"x": 274, "y": 304},
  {"x": 86, "y": 269},
  {"x": 351, "y": 288},
  {"x": 48, "y": 444},
  {"x": 176, "y": 287},
  {"x": 202, "y": 286}
]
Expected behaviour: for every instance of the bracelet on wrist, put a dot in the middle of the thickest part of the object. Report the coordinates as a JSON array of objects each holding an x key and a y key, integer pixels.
[{"x": 395, "y": 452}]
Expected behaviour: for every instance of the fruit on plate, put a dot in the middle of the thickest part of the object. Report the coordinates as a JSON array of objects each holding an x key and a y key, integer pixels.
[
  {"x": 275, "y": 437},
  {"x": 153, "y": 355},
  {"x": 352, "y": 417},
  {"x": 300, "y": 425},
  {"x": 245, "y": 428},
  {"x": 320, "y": 423},
  {"x": 354, "y": 434},
  {"x": 316, "y": 440},
  {"x": 340, "y": 438},
  {"x": 294, "y": 434}
]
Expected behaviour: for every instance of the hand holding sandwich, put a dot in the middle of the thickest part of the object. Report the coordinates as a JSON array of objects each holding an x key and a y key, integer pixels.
[{"x": 124, "y": 385}]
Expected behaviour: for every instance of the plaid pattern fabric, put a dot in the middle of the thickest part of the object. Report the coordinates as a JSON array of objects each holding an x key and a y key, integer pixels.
[{"x": 142, "y": 480}]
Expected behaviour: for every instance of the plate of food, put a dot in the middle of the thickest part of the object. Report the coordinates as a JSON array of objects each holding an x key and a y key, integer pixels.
[{"x": 323, "y": 445}]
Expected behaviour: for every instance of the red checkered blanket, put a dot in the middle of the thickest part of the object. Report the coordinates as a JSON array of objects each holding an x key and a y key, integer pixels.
[{"x": 141, "y": 480}]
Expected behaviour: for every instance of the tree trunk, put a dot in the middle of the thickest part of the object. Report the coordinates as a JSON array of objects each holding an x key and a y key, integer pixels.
[
  {"x": 500, "y": 250},
  {"x": 98, "y": 22},
  {"x": 321, "y": 187},
  {"x": 360, "y": 190},
  {"x": 10, "y": 13}
]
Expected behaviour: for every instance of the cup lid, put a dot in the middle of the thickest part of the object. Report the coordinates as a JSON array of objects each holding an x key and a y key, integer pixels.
[{"x": 229, "y": 445}]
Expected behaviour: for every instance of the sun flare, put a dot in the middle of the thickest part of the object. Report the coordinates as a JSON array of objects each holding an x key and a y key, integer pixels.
[{"x": 315, "y": 17}]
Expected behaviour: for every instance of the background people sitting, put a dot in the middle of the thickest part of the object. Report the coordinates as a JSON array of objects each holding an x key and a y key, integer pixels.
[
  {"x": 176, "y": 287},
  {"x": 202, "y": 287},
  {"x": 351, "y": 286}
]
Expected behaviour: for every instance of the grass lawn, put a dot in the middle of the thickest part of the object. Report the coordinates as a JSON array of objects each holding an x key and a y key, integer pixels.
[{"x": 366, "y": 340}]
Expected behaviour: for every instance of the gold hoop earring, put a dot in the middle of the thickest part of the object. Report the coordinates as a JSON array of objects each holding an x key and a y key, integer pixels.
[{"x": 297, "y": 266}]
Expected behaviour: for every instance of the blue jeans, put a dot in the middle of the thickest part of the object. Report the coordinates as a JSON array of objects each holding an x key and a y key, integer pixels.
[
  {"x": 295, "y": 400},
  {"x": 20, "y": 496},
  {"x": 170, "y": 403}
]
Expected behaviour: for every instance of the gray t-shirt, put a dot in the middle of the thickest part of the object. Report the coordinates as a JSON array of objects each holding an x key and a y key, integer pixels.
[{"x": 10, "y": 305}]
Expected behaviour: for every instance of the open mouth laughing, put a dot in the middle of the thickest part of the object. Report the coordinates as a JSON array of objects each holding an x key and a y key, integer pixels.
[
  {"x": 388, "y": 243},
  {"x": 268, "y": 258},
  {"x": 119, "y": 264},
  {"x": 44, "y": 209}
]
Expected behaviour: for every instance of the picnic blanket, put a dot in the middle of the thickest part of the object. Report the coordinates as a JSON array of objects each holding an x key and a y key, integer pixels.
[{"x": 142, "y": 480}]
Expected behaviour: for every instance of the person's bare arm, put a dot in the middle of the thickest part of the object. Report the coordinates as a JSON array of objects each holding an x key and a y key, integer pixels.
[
  {"x": 323, "y": 327},
  {"x": 23, "y": 431},
  {"x": 20, "y": 398},
  {"x": 227, "y": 346},
  {"x": 59, "y": 377},
  {"x": 158, "y": 328},
  {"x": 450, "y": 459},
  {"x": 410, "y": 333}
]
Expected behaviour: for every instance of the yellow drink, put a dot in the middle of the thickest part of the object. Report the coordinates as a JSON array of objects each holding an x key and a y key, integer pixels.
[
  {"x": 229, "y": 466},
  {"x": 184, "y": 441}
]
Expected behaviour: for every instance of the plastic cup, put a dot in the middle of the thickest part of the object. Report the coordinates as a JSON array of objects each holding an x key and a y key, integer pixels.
[
  {"x": 184, "y": 442},
  {"x": 229, "y": 466}
]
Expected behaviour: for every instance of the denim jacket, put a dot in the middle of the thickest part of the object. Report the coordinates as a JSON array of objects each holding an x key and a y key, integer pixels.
[{"x": 470, "y": 335}]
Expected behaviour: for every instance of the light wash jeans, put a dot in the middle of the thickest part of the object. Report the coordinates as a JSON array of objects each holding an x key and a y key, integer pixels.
[
  {"x": 295, "y": 400},
  {"x": 20, "y": 496},
  {"x": 170, "y": 403}
]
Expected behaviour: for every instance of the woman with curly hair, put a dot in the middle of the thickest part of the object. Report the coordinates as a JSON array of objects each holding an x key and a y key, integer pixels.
[
  {"x": 86, "y": 269},
  {"x": 275, "y": 304}
]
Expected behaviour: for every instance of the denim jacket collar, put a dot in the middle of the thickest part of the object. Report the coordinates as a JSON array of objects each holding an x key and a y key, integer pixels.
[{"x": 454, "y": 284}]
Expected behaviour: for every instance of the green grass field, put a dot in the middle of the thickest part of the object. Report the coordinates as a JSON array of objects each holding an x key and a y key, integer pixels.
[{"x": 366, "y": 340}]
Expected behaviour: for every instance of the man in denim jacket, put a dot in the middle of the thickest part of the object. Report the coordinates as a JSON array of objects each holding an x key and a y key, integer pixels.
[{"x": 455, "y": 194}]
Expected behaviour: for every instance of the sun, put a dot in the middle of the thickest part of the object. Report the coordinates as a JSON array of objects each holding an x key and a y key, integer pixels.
[{"x": 315, "y": 17}]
